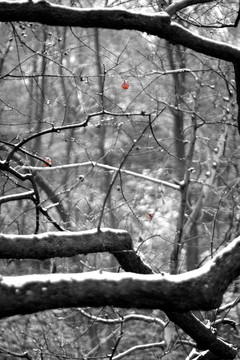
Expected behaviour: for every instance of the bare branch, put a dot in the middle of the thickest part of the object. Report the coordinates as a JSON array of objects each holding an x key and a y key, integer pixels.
[
  {"x": 130, "y": 317},
  {"x": 14, "y": 354},
  {"x": 181, "y": 4},
  {"x": 16, "y": 197},
  {"x": 52, "y": 129},
  {"x": 107, "y": 167},
  {"x": 139, "y": 347}
]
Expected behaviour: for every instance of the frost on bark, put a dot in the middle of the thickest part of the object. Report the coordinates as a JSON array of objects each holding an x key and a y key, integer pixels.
[
  {"x": 198, "y": 289},
  {"x": 175, "y": 294}
]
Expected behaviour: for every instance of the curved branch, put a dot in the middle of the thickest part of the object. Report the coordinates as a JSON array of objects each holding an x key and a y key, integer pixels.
[
  {"x": 198, "y": 289},
  {"x": 139, "y": 347},
  {"x": 157, "y": 24},
  {"x": 17, "y": 197},
  {"x": 50, "y": 130},
  {"x": 126, "y": 318},
  {"x": 31, "y": 293},
  {"x": 67, "y": 244},
  {"x": 201, "y": 44},
  {"x": 59, "y": 15},
  {"x": 182, "y": 4}
]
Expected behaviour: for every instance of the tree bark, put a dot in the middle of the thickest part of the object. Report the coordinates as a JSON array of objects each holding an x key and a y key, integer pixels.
[{"x": 199, "y": 289}]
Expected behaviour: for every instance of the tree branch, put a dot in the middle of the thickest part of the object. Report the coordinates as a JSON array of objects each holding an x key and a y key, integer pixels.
[
  {"x": 182, "y": 4},
  {"x": 139, "y": 347},
  {"x": 31, "y": 293},
  {"x": 103, "y": 166},
  {"x": 157, "y": 24},
  {"x": 59, "y": 15},
  {"x": 217, "y": 49},
  {"x": 67, "y": 244},
  {"x": 17, "y": 197},
  {"x": 123, "y": 319},
  {"x": 198, "y": 289}
]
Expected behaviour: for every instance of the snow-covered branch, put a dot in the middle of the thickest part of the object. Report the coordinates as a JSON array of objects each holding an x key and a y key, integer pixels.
[
  {"x": 157, "y": 24},
  {"x": 198, "y": 289},
  {"x": 48, "y": 13},
  {"x": 126, "y": 318},
  {"x": 139, "y": 347},
  {"x": 67, "y": 244},
  {"x": 104, "y": 166},
  {"x": 181, "y": 4},
  {"x": 17, "y": 197}
]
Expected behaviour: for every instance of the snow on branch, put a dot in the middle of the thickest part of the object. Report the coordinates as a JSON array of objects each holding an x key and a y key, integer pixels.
[
  {"x": 48, "y": 13},
  {"x": 66, "y": 244},
  {"x": 63, "y": 244},
  {"x": 198, "y": 289},
  {"x": 103, "y": 166},
  {"x": 17, "y": 196},
  {"x": 157, "y": 24},
  {"x": 181, "y": 4},
  {"x": 176, "y": 294}
]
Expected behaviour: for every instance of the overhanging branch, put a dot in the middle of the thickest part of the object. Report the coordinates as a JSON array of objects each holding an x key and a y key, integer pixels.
[
  {"x": 157, "y": 24},
  {"x": 202, "y": 288},
  {"x": 199, "y": 289},
  {"x": 67, "y": 244}
]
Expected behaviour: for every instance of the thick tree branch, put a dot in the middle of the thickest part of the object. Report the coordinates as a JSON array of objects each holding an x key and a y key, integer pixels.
[
  {"x": 199, "y": 289},
  {"x": 67, "y": 244},
  {"x": 31, "y": 293},
  {"x": 157, "y": 24},
  {"x": 57, "y": 15},
  {"x": 204, "y": 336},
  {"x": 217, "y": 49},
  {"x": 202, "y": 288}
]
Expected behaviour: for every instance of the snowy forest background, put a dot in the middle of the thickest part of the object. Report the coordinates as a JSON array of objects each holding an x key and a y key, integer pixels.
[{"x": 175, "y": 126}]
